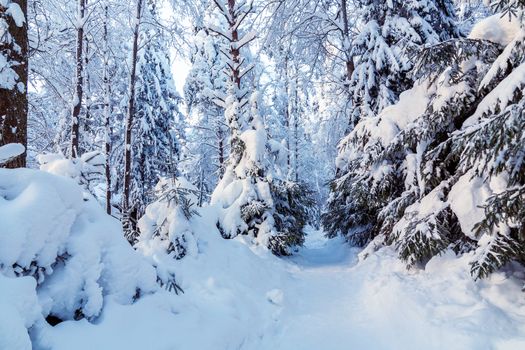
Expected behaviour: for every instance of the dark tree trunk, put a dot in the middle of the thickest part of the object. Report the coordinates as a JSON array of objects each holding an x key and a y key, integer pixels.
[
  {"x": 13, "y": 102},
  {"x": 234, "y": 51},
  {"x": 287, "y": 114},
  {"x": 350, "y": 67},
  {"x": 222, "y": 153},
  {"x": 296, "y": 130},
  {"x": 131, "y": 111},
  {"x": 79, "y": 84},
  {"x": 107, "y": 113}
]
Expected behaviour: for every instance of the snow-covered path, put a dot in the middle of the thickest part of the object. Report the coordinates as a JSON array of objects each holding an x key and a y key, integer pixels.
[
  {"x": 332, "y": 303},
  {"x": 319, "y": 300},
  {"x": 322, "y": 298}
]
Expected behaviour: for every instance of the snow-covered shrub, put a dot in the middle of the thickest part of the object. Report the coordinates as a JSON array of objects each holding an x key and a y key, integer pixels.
[
  {"x": 166, "y": 228},
  {"x": 443, "y": 167},
  {"x": 88, "y": 170},
  {"x": 76, "y": 253},
  {"x": 293, "y": 201}
]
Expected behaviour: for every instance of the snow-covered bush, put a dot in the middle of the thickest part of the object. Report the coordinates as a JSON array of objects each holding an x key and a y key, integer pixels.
[
  {"x": 76, "y": 253},
  {"x": 293, "y": 201},
  {"x": 166, "y": 228},
  {"x": 87, "y": 170},
  {"x": 443, "y": 167}
]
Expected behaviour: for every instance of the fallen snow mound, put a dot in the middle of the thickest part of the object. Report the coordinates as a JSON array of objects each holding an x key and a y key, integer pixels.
[{"x": 54, "y": 232}]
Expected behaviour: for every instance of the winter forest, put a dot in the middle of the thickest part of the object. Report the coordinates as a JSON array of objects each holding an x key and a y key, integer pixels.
[{"x": 262, "y": 174}]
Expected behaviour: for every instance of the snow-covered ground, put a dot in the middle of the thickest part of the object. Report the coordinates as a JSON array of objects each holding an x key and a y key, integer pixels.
[{"x": 237, "y": 297}]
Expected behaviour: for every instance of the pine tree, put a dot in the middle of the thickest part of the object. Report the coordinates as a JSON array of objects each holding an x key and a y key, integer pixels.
[
  {"x": 482, "y": 153},
  {"x": 13, "y": 78},
  {"x": 365, "y": 183},
  {"x": 447, "y": 172},
  {"x": 392, "y": 30},
  {"x": 155, "y": 144},
  {"x": 268, "y": 209}
]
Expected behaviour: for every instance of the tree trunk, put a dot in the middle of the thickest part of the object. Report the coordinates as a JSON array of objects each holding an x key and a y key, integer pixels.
[
  {"x": 222, "y": 153},
  {"x": 287, "y": 116},
  {"x": 77, "y": 99},
  {"x": 131, "y": 111},
  {"x": 296, "y": 130},
  {"x": 234, "y": 51},
  {"x": 13, "y": 101},
  {"x": 350, "y": 67},
  {"x": 107, "y": 113}
]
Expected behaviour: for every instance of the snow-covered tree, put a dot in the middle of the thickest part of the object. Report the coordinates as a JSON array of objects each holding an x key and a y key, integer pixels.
[
  {"x": 155, "y": 148},
  {"x": 208, "y": 139},
  {"x": 442, "y": 168},
  {"x": 13, "y": 79},
  {"x": 392, "y": 32},
  {"x": 129, "y": 212},
  {"x": 254, "y": 203}
]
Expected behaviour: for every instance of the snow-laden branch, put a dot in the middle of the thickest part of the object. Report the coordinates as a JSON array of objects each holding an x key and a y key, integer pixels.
[{"x": 10, "y": 151}]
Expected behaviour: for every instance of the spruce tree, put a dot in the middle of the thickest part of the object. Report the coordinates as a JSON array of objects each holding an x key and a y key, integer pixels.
[
  {"x": 253, "y": 202},
  {"x": 157, "y": 123},
  {"x": 365, "y": 184},
  {"x": 392, "y": 31},
  {"x": 443, "y": 167}
]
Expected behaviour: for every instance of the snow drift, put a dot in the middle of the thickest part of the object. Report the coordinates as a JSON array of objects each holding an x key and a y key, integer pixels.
[{"x": 75, "y": 253}]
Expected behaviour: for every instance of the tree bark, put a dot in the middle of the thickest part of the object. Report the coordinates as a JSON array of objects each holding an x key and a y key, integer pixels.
[
  {"x": 107, "y": 113},
  {"x": 131, "y": 110},
  {"x": 13, "y": 102},
  {"x": 350, "y": 67},
  {"x": 287, "y": 116},
  {"x": 79, "y": 84},
  {"x": 222, "y": 152},
  {"x": 296, "y": 130},
  {"x": 234, "y": 51}
]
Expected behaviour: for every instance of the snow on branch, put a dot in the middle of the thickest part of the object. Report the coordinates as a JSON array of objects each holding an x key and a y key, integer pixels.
[
  {"x": 246, "y": 70},
  {"x": 246, "y": 39},
  {"x": 220, "y": 32},
  {"x": 10, "y": 151},
  {"x": 224, "y": 11}
]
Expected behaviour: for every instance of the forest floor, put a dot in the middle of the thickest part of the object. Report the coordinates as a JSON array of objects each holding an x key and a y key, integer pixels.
[{"x": 322, "y": 298}]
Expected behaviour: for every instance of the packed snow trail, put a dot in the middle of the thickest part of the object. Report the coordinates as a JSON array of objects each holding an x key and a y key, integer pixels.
[
  {"x": 239, "y": 297},
  {"x": 332, "y": 303}
]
